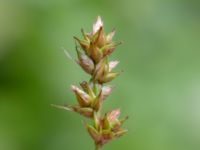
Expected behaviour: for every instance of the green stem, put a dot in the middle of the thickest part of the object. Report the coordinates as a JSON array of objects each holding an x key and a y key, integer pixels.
[
  {"x": 94, "y": 87},
  {"x": 97, "y": 147}
]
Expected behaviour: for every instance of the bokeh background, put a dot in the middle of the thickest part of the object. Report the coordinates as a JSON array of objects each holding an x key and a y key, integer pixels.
[{"x": 159, "y": 88}]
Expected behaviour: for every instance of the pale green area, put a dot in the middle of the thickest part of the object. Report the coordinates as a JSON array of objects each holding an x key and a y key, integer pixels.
[{"x": 159, "y": 88}]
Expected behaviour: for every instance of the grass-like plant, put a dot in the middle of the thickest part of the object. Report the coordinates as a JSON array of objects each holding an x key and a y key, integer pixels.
[{"x": 93, "y": 53}]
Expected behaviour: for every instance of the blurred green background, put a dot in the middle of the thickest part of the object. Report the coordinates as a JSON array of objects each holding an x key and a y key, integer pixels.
[{"x": 159, "y": 89}]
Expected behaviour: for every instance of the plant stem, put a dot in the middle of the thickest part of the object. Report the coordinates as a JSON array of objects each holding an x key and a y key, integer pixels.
[{"x": 97, "y": 147}]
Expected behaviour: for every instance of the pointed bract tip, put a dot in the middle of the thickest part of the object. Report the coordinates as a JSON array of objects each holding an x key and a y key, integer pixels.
[
  {"x": 62, "y": 107},
  {"x": 97, "y": 25},
  {"x": 110, "y": 36},
  {"x": 113, "y": 64},
  {"x": 73, "y": 87},
  {"x": 114, "y": 114}
]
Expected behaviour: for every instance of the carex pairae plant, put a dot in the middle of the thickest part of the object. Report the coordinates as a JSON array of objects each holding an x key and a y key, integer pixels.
[{"x": 93, "y": 53}]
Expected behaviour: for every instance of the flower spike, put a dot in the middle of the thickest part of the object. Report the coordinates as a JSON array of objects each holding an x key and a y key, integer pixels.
[{"x": 93, "y": 52}]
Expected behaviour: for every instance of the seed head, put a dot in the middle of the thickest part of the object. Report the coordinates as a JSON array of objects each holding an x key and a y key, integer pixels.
[
  {"x": 107, "y": 128},
  {"x": 93, "y": 53},
  {"x": 97, "y": 44}
]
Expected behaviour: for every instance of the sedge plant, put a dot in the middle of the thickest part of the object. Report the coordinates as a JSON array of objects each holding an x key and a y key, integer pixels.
[{"x": 93, "y": 53}]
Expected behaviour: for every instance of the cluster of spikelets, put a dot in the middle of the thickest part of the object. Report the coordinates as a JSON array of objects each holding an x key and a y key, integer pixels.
[{"x": 93, "y": 52}]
